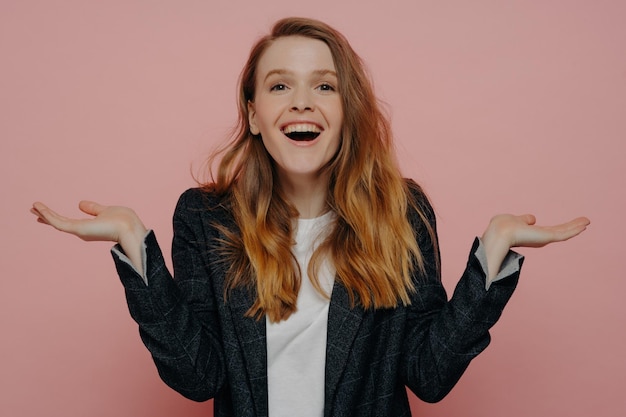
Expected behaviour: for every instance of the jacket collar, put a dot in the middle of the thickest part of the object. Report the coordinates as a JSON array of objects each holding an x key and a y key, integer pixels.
[{"x": 344, "y": 322}]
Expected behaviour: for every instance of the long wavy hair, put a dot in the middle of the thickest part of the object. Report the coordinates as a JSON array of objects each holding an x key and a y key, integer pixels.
[{"x": 371, "y": 245}]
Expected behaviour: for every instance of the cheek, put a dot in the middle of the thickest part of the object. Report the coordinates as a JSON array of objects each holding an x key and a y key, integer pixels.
[
  {"x": 338, "y": 114},
  {"x": 267, "y": 114},
  {"x": 261, "y": 123}
]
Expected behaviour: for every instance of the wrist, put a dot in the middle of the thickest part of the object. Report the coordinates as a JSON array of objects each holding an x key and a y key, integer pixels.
[
  {"x": 131, "y": 240},
  {"x": 132, "y": 231},
  {"x": 496, "y": 241}
]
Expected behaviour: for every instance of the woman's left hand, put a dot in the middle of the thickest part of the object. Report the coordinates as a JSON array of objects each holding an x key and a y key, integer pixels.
[{"x": 506, "y": 231}]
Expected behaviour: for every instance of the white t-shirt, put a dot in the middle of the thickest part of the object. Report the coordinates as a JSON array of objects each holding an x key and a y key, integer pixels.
[{"x": 296, "y": 347}]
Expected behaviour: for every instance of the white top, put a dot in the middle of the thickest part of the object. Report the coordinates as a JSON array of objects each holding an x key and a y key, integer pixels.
[{"x": 296, "y": 347}]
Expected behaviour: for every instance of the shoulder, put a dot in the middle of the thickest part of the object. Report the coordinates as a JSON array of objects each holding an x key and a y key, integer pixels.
[
  {"x": 201, "y": 197},
  {"x": 203, "y": 203},
  {"x": 419, "y": 202}
]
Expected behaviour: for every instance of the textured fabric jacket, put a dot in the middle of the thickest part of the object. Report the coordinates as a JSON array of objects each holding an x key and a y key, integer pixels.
[{"x": 204, "y": 347}]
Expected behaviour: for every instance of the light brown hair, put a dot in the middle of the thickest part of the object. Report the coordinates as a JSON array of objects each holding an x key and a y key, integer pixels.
[{"x": 372, "y": 244}]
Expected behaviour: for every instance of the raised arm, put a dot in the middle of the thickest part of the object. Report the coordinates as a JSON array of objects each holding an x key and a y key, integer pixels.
[
  {"x": 444, "y": 335},
  {"x": 109, "y": 223}
]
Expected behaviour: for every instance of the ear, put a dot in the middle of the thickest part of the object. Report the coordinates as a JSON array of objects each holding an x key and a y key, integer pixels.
[{"x": 254, "y": 129}]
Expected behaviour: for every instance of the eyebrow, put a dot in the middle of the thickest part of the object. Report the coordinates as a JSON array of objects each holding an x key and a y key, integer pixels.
[{"x": 319, "y": 72}]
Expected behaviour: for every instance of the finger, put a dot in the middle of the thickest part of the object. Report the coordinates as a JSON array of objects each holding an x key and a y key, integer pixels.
[
  {"x": 35, "y": 211},
  {"x": 575, "y": 227},
  {"x": 91, "y": 207},
  {"x": 52, "y": 218},
  {"x": 567, "y": 230},
  {"x": 40, "y": 218},
  {"x": 38, "y": 207},
  {"x": 42, "y": 211},
  {"x": 582, "y": 221}
]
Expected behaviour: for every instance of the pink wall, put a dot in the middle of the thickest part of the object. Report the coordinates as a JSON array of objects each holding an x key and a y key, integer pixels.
[{"x": 498, "y": 106}]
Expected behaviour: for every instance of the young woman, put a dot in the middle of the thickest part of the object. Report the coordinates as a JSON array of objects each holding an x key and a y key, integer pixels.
[{"x": 306, "y": 276}]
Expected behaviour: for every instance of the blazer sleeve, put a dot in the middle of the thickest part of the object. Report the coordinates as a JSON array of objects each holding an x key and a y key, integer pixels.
[
  {"x": 177, "y": 318},
  {"x": 442, "y": 336}
]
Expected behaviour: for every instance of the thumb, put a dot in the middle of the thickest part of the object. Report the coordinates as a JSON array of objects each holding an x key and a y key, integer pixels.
[
  {"x": 528, "y": 218},
  {"x": 91, "y": 207}
]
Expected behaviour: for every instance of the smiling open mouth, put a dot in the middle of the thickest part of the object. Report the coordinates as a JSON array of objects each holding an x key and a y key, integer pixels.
[
  {"x": 302, "y": 131},
  {"x": 302, "y": 136}
]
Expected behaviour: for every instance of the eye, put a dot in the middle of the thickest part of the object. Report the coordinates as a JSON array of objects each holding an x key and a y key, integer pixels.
[
  {"x": 278, "y": 87},
  {"x": 326, "y": 87}
]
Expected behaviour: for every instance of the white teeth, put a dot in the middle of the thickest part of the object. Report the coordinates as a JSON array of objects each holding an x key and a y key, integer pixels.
[{"x": 301, "y": 127}]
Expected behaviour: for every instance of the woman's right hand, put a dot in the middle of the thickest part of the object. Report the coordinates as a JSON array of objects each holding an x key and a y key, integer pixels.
[{"x": 109, "y": 223}]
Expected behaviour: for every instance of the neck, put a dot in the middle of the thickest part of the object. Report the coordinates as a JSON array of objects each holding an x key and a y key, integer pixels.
[{"x": 306, "y": 193}]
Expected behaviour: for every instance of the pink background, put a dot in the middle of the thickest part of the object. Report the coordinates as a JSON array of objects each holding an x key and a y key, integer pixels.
[{"x": 498, "y": 106}]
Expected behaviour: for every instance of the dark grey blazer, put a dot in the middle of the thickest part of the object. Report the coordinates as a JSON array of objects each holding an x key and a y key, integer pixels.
[{"x": 206, "y": 348}]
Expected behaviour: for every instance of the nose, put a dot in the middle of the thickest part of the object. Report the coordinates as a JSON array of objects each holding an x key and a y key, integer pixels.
[{"x": 302, "y": 100}]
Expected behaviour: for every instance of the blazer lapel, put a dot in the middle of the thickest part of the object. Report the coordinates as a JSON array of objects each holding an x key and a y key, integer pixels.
[
  {"x": 343, "y": 325},
  {"x": 250, "y": 332},
  {"x": 252, "y": 338}
]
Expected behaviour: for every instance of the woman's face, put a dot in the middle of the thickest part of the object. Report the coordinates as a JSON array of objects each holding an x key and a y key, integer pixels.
[{"x": 297, "y": 108}]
